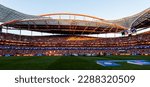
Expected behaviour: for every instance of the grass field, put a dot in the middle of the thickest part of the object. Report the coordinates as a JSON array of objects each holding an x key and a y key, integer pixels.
[{"x": 68, "y": 63}]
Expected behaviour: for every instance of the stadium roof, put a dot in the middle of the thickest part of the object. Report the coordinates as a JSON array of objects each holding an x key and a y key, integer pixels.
[
  {"x": 70, "y": 23},
  {"x": 139, "y": 20}
]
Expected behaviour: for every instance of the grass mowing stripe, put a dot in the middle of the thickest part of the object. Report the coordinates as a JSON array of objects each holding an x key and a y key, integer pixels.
[{"x": 73, "y": 63}]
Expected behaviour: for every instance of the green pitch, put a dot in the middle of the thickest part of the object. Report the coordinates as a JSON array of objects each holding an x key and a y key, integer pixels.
[{"x": 68, "y": 63}]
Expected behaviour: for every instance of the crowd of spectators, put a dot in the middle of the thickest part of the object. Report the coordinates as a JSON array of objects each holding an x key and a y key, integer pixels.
[{"x": 73, "y": 45}]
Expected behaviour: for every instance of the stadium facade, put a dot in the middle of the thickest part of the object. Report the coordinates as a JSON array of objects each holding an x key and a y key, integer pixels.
[{"x": 71, "y": 26}]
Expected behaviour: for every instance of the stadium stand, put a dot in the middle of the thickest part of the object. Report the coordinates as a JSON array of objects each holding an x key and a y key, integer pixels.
[
  {"x": 70, "y": 40},
  {"x": 69, "y": 45}
]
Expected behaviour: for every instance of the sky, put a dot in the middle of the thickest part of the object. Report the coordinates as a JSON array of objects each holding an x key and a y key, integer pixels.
[{"x": 106, "y": 9}]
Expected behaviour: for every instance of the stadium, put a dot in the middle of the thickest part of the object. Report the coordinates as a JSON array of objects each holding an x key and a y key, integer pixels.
[{"x": 74, "y": 39}]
